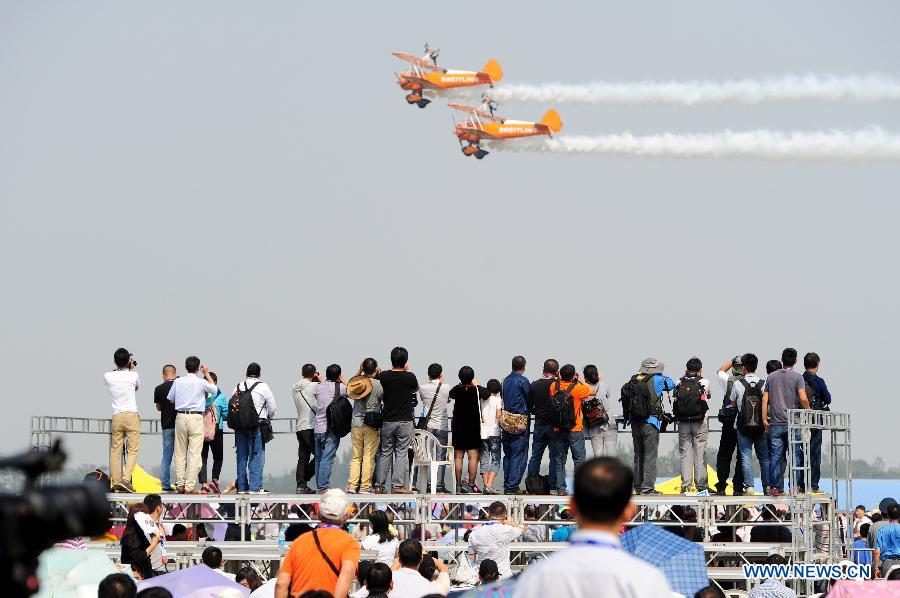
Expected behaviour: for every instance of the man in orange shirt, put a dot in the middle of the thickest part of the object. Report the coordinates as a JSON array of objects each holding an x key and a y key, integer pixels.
[
  {"x": 323, "y": 559},
  {"x": 568, "y": 438}
]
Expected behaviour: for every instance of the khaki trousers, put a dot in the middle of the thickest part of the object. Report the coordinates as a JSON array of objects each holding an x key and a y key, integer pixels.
[
  {"x": 125, "y": 427},
  {"x": 188, "y": 446},
  {"x": 362, "y": 463}
]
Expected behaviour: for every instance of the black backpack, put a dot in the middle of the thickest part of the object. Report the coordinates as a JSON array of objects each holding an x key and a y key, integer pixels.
[
  {"x": 750, "y": 418},
  {"x": 639, "y": 400},
  {"x": 242, "y": 413},
  {"x": 688, "y": 404},
  {"x": 537, "y": 484},
  {"x": 562, "y": 408},
  {"x": 339, "y": 413}
]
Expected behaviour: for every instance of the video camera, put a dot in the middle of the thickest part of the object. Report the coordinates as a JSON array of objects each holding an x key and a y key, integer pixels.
[{"x": 40, "y": 516}]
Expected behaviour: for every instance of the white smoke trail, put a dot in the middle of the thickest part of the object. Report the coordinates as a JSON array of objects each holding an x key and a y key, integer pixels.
[
  {"x": 860, "y": 88},
  {"x": 861, "y": 145}
]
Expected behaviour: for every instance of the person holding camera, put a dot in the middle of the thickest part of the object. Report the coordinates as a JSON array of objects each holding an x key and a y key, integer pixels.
[
  {"x": 188, "y": 393},
  {"x": 251, "y": 447},
  {"x": 125, "y": 426},
  {"x": 305, "y": 402}
]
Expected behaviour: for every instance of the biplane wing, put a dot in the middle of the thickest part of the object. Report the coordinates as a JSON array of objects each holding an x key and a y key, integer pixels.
[
  {"x": 477, "y": 112},
  {"x": 417, "y": 61}
]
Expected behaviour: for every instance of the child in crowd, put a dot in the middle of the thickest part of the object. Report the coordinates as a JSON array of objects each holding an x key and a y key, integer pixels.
[
  {"x": 490, "y": 435},
  {"x": 862, "y": 554}
]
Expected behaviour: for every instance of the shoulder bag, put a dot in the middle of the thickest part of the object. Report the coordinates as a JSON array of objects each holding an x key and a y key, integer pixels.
[{"x": 422, "y": 424}]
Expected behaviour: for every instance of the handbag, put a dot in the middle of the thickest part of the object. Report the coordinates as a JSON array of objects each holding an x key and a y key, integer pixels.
[
  {"x": 265, "y": 431},
  {"x": 595, "y": 413},
  {"x": 422, "y": 424},
  {"x": 373, "y": 419},
  {"x": 513, "y": 423}
]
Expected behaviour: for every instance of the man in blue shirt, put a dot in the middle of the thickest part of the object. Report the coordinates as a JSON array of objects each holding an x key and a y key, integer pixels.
[
  {"x": 645, "y": 431},
  {"x": 516, "y": 389},
  {"x": 887, "y": 542},
  {"x": 819, "y": 398}
]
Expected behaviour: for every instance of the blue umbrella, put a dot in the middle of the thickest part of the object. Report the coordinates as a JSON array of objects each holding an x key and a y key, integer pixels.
[{"x": 682, "y": 561}]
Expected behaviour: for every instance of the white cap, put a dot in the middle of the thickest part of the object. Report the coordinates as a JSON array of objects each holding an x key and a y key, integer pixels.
[{"x": 333, "y": 505}]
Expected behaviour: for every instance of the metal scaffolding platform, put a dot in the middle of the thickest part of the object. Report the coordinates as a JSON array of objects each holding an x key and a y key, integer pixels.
[{"x": 817, "y": 524}]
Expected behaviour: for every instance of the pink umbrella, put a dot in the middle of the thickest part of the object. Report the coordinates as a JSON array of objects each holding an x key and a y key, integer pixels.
[
  {"x": 196, "y": 582},
  {"x": 865, "y": 589}
]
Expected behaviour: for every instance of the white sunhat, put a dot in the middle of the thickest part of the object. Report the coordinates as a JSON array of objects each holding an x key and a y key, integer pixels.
[{"x": 333, "y": 505}]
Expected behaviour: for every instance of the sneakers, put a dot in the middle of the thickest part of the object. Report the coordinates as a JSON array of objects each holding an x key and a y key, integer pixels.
[
  {"x": 751, "y": 491},
  {"x": 304, "y": 490},
  {"x": 653, "y": 492},
  {"x": 773, "y": 491},
  {"x": 350, "y": 490},
  {"x": 260, "y": 491},
  {"x": 703, "y": 492},
  {"x": 124, "y": 486}
]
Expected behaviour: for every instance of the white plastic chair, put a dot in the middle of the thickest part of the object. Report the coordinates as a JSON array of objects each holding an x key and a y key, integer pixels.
[{"x": 425, "y": 450}]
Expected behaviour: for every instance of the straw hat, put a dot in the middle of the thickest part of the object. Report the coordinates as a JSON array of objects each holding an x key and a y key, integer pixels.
[{"x": 359, "y": 387}]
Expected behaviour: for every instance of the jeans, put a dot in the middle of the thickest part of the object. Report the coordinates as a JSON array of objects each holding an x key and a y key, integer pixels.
[
  {"x": 443, "y": 436},
  {"x": 727, "y": 444},
  {"x": 692, "y": 439},
  {"x": 761, "y": 444},
  {"x": 168, "y": 449},
  {"x": 216, "y": 445},
  {"x": 395, "y": 440},
  {"x": 646, "y": 450},
  {"x": 778, "y": 446},
  {"x": 815, "y": 457},
  {"x": 251, "y": 454},
  {"x": 565, "y": 442},
  {"x": 306, "y": 464},
  {"x": 543, "y": 438},
  {"x": 326, "y": 449},
  {"x": 490, "y": 455},
  {"x": 515, "y": 458},
  {"x": 605, "y": 443}
]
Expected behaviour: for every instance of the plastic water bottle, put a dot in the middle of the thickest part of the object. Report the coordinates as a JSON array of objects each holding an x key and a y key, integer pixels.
[{"x": 280, "y": 538}]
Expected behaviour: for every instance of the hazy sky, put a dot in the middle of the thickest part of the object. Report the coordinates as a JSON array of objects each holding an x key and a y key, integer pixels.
[{"x": 245, "y": 182}]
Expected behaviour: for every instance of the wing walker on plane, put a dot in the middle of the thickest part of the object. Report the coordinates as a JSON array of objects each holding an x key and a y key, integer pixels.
[
  {"x": 426, "y": 78},
  {"x": 482, "y": 125}
]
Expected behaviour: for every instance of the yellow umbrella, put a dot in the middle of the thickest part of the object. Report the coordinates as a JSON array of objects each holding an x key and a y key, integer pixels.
[
  {"x": 144, "y": 483},
  {"x": 673, "y": 486}
]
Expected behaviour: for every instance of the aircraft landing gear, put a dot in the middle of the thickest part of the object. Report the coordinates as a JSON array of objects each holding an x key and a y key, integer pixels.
[
  {"x": 415, "y": 98},
  {"x": 481, "y": 154},
  {"x": 470, "y": 150},
  {"x": 423, "y": 102}
]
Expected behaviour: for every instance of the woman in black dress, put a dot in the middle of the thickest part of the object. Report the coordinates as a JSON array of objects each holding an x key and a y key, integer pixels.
[{"x": 466, "y": 426}]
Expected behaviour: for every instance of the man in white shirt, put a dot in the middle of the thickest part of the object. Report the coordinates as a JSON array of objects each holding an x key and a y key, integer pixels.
[
  {"x": 251, "y": 450},
  {"x": 594, "y": 565},
  {"x": 188, "y": 393},
  {"x": 408, "y": 582},
  {"x": 437, "y": 393},
  {"x": 492, "y": 540},
  {"x": 305, "y": 402},
  {"x": 125, "y": 427}
]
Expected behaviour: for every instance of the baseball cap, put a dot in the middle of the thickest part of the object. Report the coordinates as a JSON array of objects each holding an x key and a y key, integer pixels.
[{"x": 333, "y": 505}]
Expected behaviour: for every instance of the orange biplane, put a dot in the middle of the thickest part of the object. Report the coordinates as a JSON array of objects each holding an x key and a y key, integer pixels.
[
  {"x": 481, "y": 124},
  {"x": 426, "y": 78}
]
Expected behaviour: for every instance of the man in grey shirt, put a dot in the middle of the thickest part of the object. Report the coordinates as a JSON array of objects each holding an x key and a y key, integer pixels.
[
  {"x": 784, "y": 389},
  {"x": 433, "y": 400},
  {"x": 366, "y": 393},
  {"x": 305, "y": 401}
]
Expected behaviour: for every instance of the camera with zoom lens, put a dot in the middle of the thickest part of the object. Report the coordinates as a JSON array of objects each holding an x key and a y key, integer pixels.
[{"x": 40, "y": 516}]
